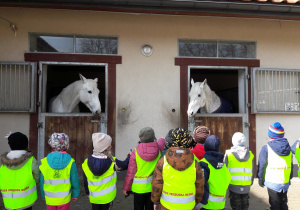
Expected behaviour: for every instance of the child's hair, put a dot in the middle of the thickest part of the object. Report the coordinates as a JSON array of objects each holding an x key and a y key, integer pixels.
[
  {"x": 17, "y": 141},
  {"x": 59, "y": 141}
]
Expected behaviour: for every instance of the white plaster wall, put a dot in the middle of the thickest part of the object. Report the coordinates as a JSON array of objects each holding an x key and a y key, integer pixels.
[
  {"x": 148, "y": 87},
  {"x": 14, "y": 123}
]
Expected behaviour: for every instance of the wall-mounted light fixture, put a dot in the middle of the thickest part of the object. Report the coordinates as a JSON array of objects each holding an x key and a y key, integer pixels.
[
  {"x": 147, "y": 50},
  {"x": 13, "y": 26}
]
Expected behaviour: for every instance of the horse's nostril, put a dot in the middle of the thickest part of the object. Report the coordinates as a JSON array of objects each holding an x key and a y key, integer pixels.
[
  {"x": 97, "y": 112},
  {"x": 192, "y": 113}
]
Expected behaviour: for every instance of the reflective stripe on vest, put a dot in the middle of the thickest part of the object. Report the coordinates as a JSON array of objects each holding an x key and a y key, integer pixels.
[
  {"x": 216, "y": 199},
  {"x": 57, "y": 194},
  {"x": 103, "y": 192},
  {"x": 178, "y": 194},
  {"x": 143, "y": 176},
  {"x": 241, "y": 172},
  {"x": 279, "y": 167},
  {"x": 218, "y": 182},
  {"x": 57, "y": 185},
  {"x": 173, "y": 199},
  {"x": 103, "y": 181},
  {"x": 57, "y": 181},
  {"x": 142, "y": 181},
  {"x": 297, "y": 156},
  {"x": 102, "y": 188},
  {"x": 18, "y": 186},
  {"x": 19, "y": 195}
]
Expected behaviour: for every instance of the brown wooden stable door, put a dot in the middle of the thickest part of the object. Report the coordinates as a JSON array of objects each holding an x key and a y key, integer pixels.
[
  {"x": 79, "y": 129},
  {"x": 222, "y": 127}
]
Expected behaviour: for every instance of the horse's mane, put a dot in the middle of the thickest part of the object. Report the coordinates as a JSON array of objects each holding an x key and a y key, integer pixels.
[{"x": 212, "y": 99}]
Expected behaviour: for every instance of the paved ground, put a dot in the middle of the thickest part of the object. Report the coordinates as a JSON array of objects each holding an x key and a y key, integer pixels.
[{"x": 258, "y": 199}]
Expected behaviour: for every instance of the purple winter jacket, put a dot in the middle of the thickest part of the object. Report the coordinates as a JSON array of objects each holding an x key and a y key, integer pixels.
[{"x": 148, "y": 152}]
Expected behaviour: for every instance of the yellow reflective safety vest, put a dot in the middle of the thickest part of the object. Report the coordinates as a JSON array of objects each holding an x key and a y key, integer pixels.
[
  {"x": 218, "y": 182},
  {"x": 179, "y": 187},
  {"x": 57, "y": 184},
  {"x": 102, "y": 188},
  {"x": 279, "y": 167},
  {"x": 241, "y": 172},
  {"x": 143, "y": 177},
  {"x": 18, "y": 187},
  {"x": 297, "y": 156}
]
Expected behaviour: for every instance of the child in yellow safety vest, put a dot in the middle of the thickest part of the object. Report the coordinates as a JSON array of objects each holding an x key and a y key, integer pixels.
[
  {"x": 19, "y": 174},
  {"x": 217, "y": 176},
  {"x": 100, "y": 175},
  {"x": 59, "y": 177},
  {"x": 140, "y": 169},
  {"x": 178, "y": 179},
  {"x": 275, "y": 166},
  {"x": 240, "y": 162},
  {"x": 296, "y": 151}
]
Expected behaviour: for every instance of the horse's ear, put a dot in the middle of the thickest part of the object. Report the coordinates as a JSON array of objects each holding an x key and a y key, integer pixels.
[
  {"x": 204, "y": 82},
  {"x": 83, "y": 79},
  {"x": 96, "y": 79},
  {"x": 192, "y": 82}
]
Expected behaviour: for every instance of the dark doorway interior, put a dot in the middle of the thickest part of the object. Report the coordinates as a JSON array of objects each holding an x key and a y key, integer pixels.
[
  {"x": 60, "y": 76},
  {"x": 223, "y": 82}
]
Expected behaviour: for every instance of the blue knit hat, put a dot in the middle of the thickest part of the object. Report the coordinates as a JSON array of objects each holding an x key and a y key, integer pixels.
[
  {"x": 212, "y": 143},
  {"x": 276, "y": 131}
]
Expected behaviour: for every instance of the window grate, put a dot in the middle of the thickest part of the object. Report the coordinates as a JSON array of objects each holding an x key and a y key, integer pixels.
[
  {"x": 275, "y": 90},
  {"x": 17, "y": 87}
]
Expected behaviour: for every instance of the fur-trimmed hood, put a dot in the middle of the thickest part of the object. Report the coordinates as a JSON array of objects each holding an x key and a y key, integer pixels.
[{"x": 15, "y": 163}]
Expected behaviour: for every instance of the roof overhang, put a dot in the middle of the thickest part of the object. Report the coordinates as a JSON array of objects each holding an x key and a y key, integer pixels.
[{"x": 230, "y": 8}]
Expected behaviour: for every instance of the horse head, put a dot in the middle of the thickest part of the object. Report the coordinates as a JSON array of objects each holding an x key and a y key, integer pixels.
[
  {"x": 197, "y": 97},
  {"x": 89, "y": 95}
]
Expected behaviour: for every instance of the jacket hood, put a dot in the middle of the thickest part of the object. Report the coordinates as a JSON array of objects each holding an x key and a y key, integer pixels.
[
  {"x": 15, "y": 163},
  {"x": 215, "y": 159},
  {"x": 179, "y": 158},
  {"x": 98, "y": 166},
  {"x": 241, "y": 153},
  {"x": 58, "y": 160},
  {"x": 280, "y": 146},
  {"x": 199, "y": 151},
  {"x": 148, "y": 151}
]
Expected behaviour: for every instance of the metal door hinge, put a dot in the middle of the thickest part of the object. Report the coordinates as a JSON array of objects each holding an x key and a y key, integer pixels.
[
  {"x": 39, "y": 125},
  {"x": 248, "y": 104},
  {"x": 39, "y": 72},
  {"x": 247, "y": 124},
  {"x": 248, "y": 76},
  {"x": 38, "y": 103}
]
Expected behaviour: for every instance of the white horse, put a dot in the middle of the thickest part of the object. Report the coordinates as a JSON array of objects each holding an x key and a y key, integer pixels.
[
  {"x": 84, "y": 90},
  {"x": 201, "y": 96}
]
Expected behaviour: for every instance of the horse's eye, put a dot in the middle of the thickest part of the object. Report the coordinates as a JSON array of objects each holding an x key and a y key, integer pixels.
[
  {"x": 199, "y": 95},
  {"x": 89, "y": 91}
]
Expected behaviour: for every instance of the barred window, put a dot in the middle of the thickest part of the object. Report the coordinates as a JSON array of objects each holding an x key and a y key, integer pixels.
[
  {"x": 17, "y": 87},
  {"x": 216, "y": 48},
  {"x": 104, "y": 45},
  {"x": 275, "y": 90}
]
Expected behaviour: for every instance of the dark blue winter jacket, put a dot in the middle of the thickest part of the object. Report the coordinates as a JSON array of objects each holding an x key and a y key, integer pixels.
[
  {"x": 280, "y": 147},
  {"x": 99, "y": 166}
]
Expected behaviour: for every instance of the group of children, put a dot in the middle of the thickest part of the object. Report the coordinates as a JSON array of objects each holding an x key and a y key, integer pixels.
[{"x": 179, "y": 171}]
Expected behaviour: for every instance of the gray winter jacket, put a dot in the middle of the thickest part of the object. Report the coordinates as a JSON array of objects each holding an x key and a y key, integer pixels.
[{"x": 242, "y": 154}]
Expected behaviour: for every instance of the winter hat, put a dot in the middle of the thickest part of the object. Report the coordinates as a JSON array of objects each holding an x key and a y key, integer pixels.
[
  {"x": 147, "y": 135},
  {"x": 59, "y": 141},
  {"x": 18, "y": 141},
  {"x": 201, "y": 133},
  {"x": 238, "y": 139},
  {"x": 276, "y": 131},
  {"x": 181, "y": 138},
  {"x": 168, "y": 141},
  {"x": 101, "y": 141},
  {"x": 212, "y": 143}
]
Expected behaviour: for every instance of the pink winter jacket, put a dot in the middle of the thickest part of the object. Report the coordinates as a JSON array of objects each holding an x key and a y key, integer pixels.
[{"x": 147, "y": 151}]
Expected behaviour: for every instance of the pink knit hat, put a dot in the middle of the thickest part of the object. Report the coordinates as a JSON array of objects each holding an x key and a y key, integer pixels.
[{"x": 101, "y": 141}]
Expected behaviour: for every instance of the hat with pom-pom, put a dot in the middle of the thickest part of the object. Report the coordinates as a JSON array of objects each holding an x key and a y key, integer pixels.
[{"x": 276, "y": 131}]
